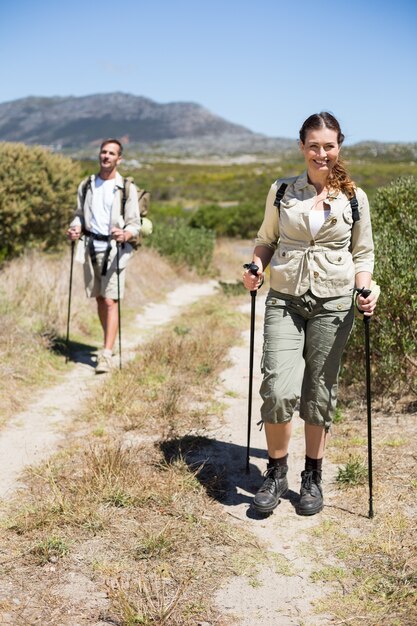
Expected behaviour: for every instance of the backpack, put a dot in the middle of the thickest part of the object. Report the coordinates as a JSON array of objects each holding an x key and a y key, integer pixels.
[{"x": 144, "y": 198}]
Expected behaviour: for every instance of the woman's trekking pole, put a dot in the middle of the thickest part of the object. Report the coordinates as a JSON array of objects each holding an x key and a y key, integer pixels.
[
  {"x": 367, "y": 320},
  {"x": 69, "y": 301},
  {"x": 254, "y": 270},
  {"x": 118, "y": 303}
]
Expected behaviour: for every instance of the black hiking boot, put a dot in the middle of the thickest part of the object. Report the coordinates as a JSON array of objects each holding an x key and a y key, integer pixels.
[
  {"x": 311, "y": 494},
  {"x": 273, "y": 487}
]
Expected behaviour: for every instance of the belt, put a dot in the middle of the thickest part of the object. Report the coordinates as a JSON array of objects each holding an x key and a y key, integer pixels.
[{"x": 96, "y": 237}]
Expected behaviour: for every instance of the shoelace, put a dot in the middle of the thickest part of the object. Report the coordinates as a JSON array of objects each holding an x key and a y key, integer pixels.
[
  {"x": 270, "y": 480},
  {"x": 307, "y": 481}
]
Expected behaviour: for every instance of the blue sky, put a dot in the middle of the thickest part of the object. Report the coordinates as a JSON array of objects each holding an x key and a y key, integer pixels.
[{"x": 266, "y": 64}]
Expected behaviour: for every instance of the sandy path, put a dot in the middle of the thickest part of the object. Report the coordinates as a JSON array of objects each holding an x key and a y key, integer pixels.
[
  {"x": 36, "y": 433},
  {"x": 282, "y": 593}
]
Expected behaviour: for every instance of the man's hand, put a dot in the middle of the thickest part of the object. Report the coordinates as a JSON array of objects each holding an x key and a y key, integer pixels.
[
  {"x": 120, "y": 235},
  {"x": 74, "y": 232}
]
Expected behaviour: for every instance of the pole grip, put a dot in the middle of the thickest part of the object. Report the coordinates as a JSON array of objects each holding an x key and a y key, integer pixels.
[{"x": 253, "y": 269}]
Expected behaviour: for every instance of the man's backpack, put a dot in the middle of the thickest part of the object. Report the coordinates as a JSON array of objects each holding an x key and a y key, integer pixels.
[{"x": 144, "y": 198}]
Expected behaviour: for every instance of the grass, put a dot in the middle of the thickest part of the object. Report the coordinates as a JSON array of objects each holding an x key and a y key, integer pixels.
[
  {"x": 354, "y": 472},
  {"x": 379, "y": 556},
  {"x": 124, "y": 514},
  {"x": 34, "y": 318},
  {"x": 378, "y": 574}
]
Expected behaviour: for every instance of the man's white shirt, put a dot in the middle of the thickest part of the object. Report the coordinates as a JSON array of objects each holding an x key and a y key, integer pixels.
[{"x": 102, "y": 203}]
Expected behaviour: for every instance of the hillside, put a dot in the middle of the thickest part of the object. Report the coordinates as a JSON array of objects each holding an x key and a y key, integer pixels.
[{"x": 76, "y": 122}]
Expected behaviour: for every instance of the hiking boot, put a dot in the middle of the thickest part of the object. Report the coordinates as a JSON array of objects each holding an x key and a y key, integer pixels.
[
  {"x": 273, "y": 487},
  {"x": 104, "y": 364},
  {"x": 311, "y": 494}
]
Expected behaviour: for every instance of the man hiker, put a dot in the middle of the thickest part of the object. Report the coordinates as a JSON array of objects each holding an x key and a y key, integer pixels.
[{"x": 104, "y": 223}]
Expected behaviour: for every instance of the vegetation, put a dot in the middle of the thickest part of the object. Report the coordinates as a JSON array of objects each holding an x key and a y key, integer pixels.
[
  {"x": 184, "y": 245},
  {"x": 37, "y": 198},
  {"x": 126, "y": 509},
  {"x": 34, "y": 316},
  {"x": 374, "y": 560},
  {"x": 394, "y": 330}
]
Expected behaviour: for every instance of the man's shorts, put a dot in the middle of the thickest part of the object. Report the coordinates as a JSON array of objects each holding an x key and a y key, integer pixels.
[{"x": 105, "y": 286}]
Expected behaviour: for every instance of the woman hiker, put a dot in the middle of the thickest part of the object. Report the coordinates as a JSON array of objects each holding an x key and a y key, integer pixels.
[{"x": 321, "y": 253}]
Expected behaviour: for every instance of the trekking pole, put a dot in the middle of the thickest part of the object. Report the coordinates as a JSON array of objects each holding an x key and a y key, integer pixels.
[
  {"x": 69, "y": 301},
  {"x": 118, "y": 303},
  {"x": 367, "y": 320},
  {"x": 254, "y": 270}
]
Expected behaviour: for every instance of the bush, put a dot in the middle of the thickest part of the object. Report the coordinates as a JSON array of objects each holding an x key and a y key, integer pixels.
[
  {"x": 183, "y": 244},
  {"x": 242, "y": 220},
  {"x": 393, "y": 331},
  {"x": 37, "y": 197}
]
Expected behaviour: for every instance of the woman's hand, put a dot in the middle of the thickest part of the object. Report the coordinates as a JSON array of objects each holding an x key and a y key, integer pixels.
[
  {"x": 251, "y": 281},
  {"x": 367, "y": 305}
]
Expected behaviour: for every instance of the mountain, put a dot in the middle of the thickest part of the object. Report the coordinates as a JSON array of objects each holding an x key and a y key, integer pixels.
[
  {"x": 74, "y": 122},
  {"x": 77, "y": 125}
]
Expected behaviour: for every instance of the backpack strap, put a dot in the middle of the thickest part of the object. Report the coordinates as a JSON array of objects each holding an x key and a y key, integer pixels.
[
  {"x": 355, "y": 209},
  {"x": 280, "y": 194},
  {"x": 125, "y": 194},
  {"x": 86, "y": 187}
]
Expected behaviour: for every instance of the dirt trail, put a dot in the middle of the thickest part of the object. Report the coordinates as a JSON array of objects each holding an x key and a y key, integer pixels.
[
  {"x": 281, "y": 592},
  {"x": 36, "y": 433}
]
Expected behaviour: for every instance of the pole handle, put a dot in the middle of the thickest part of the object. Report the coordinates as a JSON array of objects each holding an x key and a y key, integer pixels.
[
  {"x": 365, "y": 293},
  {"x": 253, "y": 269}
]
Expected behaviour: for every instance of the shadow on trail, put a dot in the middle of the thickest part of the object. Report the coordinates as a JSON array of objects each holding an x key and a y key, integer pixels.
[
  {"x": 221, "y": 468},
  {"x": 78, "y": 352}
]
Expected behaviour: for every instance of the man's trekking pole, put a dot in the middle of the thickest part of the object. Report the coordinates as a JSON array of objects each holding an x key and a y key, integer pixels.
[
  {"x": 254, "y": 270},
  {"x": 367, "y": 320},
  {"x": 69, "y": 301},
  {"x": 118, "y": 303}
]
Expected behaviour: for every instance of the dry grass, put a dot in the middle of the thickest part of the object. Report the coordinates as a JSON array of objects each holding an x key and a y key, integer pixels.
[
  {"x": 378, "y": 557},
  {"x": 173, "y": 374},
  {"x": 34, "y": 307},
  {"x": 116, "y": 517}
]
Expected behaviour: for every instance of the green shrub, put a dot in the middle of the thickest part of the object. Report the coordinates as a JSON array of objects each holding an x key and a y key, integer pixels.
[
  {"x": 393, "y": 330},
  {"x": 242, "y": 220},
  {"x": 183, "y": 244},
  {"x": 37, "y": 198},
  {"x": 354, "y": 472}
]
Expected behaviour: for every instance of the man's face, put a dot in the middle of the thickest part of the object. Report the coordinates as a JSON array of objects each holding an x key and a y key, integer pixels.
[{"x": 109, "y": 157}]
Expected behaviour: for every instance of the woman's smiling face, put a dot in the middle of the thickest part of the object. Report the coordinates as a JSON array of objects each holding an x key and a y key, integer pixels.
[{"x": 320, "y": 150}]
